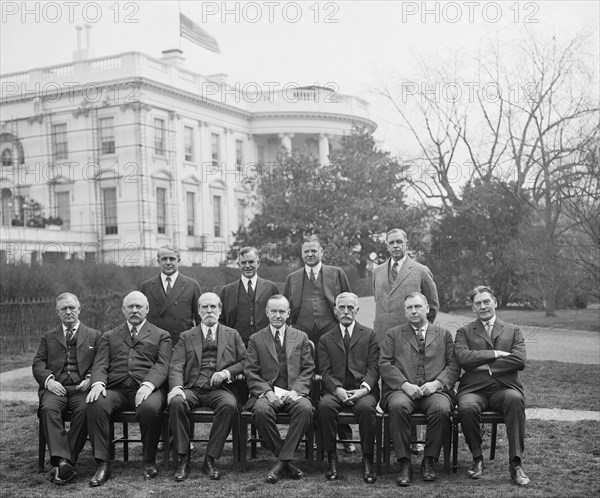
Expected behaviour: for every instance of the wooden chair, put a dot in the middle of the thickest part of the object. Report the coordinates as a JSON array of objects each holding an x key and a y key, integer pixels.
[{"x": 487, "y": 417}]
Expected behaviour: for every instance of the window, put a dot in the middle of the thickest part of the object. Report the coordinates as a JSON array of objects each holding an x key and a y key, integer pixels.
[
  {"x": 159, "y": 136},
  {"x": 60, "y": 148},
  {"x": 217, "y": 214},
  {"x": 239, "y": 155},
  {"x": 107, "y": 135},
  {"x": 7, "y": 157},
  {"x": 63, "y": 208},
  {"x": 241, "y": 212},
  {"x": 261, "y": 154},
  {"x": 161, "y": 210},
  {"x": 190, "y": 202},
  {"x": 188, "y": 143},
  {"x": 110, "y": 210},
  {"x": 215, "y": 150}
]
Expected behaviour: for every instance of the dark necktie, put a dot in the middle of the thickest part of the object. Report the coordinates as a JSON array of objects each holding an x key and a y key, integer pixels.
[
  {"x": 313, "y": 279},
  {"x": 134, "y": 332},
  {"x": 421, "y": 334},
  {"x": 210, "y": 338},
  {"x": 70, "y": 335},
  {"x": 394, "y": 271},
  {"x": 169, "y": 286},
  {"x": 277, "y": 341},
  {"x": 250, "y": 289},
  {"x": 346, "y": 339}
]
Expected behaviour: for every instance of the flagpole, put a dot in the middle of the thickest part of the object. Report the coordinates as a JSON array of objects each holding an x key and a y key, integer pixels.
[{"x": 179, "y": 22}]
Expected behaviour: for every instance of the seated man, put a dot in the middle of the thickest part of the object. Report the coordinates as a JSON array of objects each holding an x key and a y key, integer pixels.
[
  {"x": 131, "y": 365},
  {"x": 61, "y": 367},
  {"x": 491, "y": 352},
  {"x": 279, "y": 369},
  {"x": 348, "y": 357},
  {"x": 418, "y": 369},
  {"x": 205, "y": 361}
]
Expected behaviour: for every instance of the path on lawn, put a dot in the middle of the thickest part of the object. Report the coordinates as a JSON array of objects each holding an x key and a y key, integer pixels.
[{"x": 569, "y": 346}]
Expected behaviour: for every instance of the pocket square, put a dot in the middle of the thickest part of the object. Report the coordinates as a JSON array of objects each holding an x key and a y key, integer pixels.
[{"x": 91, "y": 347}]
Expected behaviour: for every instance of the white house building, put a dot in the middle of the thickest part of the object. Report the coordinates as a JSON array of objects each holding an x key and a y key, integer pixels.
[{"x": 107, "y": 159}]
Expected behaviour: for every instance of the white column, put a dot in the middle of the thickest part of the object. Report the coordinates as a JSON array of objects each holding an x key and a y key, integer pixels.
[
  {"x": 323, "y": 149},
  {"x": 286, "y": 141}
]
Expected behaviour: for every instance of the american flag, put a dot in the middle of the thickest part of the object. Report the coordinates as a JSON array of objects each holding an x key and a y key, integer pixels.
[{"x": 190, "y": 30}]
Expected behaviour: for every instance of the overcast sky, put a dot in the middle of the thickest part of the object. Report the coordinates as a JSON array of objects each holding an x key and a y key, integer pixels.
[{"x": 357, "y": 45}]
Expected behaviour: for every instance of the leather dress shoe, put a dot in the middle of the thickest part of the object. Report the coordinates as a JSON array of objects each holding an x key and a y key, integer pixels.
[
  {"x": 65, "y": 471},
  {"x": 406, "y": 473},
  {"x": 427, "y": 470},
  {"x": 349, "y": 448},
  {"x": 476, "y": 471},
  {"x": 183, "y": 468},
  {"x": 276, "y": 473},
  {"x": 54, "y": 476},
  {"x": 210, "y": 469},
  {"x": 102, "y": 474},
  {"x": 332, "y": 473},
  {"x": 369, "y": 475},
  {"x": 150, "y": 470},
  {"x": 518, "y": 476},
  {"x": 293, "y": 472}
]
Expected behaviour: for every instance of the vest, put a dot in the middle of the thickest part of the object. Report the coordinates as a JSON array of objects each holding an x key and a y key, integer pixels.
[
  {"x": 282, "y": 377},
  {"x": 245, "y": 321},
  {"x": 313, "y": 308},
  {"x": 420, "y": 377},
  {"x": 208, "y": 365},
  {"x": 70, "y": 372}
]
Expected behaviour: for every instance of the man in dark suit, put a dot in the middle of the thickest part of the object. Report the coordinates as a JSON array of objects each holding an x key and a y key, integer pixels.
[
  {"x": 245, "y": 300},
  {"x": 172, "y": 297},
  {"x": 348, "y": 357},
  {"x": 279, "y": 369},
  {"x": 311, "y": 292},
  {"x": 491, "y": 352},
  {"x": 130, "y": 368},
  {"x": 205, "y": 362},
  {"x": 394, "y": 280},
  {"x": 418, "y": 369},
  {"x": 61, "y": 367}
]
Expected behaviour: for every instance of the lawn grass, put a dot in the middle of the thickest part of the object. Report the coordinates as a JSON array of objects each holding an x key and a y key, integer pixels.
[
  {"x": 12, "y": 361},
  {"x": 588, "y": 319},
  {"x": 562, "y": 459}
]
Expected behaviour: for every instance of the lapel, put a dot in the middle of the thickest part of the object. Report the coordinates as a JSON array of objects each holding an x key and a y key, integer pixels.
[
  {"x": 402, "y": 274},
  {"x": 384, "y": 269},
  {"x": 497, "y": 330},
  {"x": 60, "y": 336},
  {"x": 270, "y": 343},
  {"x": 157, "y": 290},
  {"x": 298, "y": 286},
  {"x": 197, "y": 337},
  {"x": 409, "y": 335},
  {"x": 431, "y": 335},
  {"x": 125, "y": 335},
  {"x": 479, "y": 330},
  {"x": 356, "y": 333},
  {"x": 338, "y": 338},
  {"x": 80, "y": 336},
  {"x": 178, "y": 288},
  {"x": 291, "y": 336},
  {"x": 221, "y": 336},
  {"x": 142, "y": 333},
  {"x": 260, "y": 288}
]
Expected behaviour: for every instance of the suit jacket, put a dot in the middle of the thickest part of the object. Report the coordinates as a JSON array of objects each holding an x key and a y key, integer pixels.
[
  {"x": 474, "y": 348},
  {"x": 262, "y": 367},
  {"x": 399, "y": 358},
  {"x": 52, "y": 353},
  {"x": 178, "y": 311},
  {"x": 363, "y": 357},
  {"x": 389, "y": 300},
  {"x": 150, "y": 353},
  {"x": 335, "y": 282},
  {"x": 229, "y": 297},
  {"x": 184, "y": 369}
]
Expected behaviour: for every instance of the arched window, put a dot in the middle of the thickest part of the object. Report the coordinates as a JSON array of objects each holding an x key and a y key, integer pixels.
[{"x": 7, "y": 157}]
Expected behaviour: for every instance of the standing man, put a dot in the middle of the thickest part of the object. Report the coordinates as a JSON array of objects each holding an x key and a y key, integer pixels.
[
  {"x": 172, "y": 297},
  {"x": 279, "y": 359},
  {"x": 131, "y": 366},
  {"x": 205, "y": 361},
  {"x": 418, "y": 369},
  {"x": 311, "y": 292},
  {"x": 245, "y": 300},
  {"x": 491, "y": 352},
  {"x": 348, "y": 357},
  {"x": 394, "y": 280},
  {"x": 62, "y": 367}
]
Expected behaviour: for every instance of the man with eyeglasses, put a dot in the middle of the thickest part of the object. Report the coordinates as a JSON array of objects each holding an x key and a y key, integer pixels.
[
  {"x": 491, "y": 353},
  {"x": 62, "y": 367}
]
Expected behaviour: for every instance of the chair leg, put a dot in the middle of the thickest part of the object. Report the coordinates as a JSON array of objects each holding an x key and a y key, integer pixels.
[
  {"x": 125, "y": 442},
  {"x": 111, "y": 438},
  {"x": 447, "y": 446},
  {"x": 235, "y": 436},
  {"x": 253, "y": 441},
  {"x": 378, "y": 447},
  {"x": 454, "y": 444},
  {"x": 493, "y": 441},
  {"x": 243, "y": 444}
]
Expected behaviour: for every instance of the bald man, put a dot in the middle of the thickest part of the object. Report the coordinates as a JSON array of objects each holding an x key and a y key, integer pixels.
[{"x": 131, "y": 365}]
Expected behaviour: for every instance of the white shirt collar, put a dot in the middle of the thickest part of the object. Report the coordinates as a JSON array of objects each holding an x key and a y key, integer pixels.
[
  {"x": 316, "y": 269},
  {"x": 400, "y": 262},
  {"x": 246, "y": 280},
  {"x": 164, "y": 279},
  {"x": 491, "y": 321},
  {"x": 422, "y": 328},
  {"x": 350, "y": 328},
  {"x": 205, "y": 328},
  {"x": 65, "y": 328},
  {"x": 139, "y": 327},
  {"x": 281, "y": 332}
]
